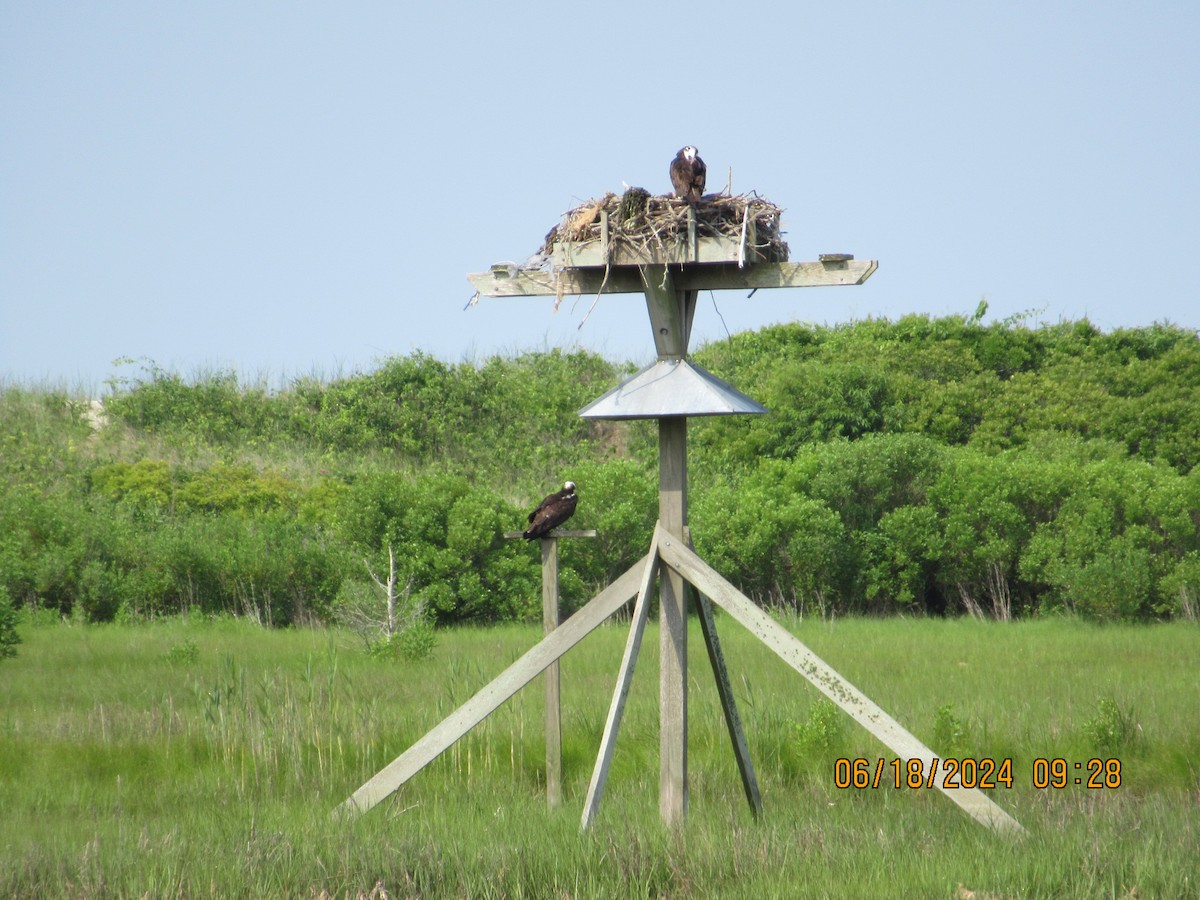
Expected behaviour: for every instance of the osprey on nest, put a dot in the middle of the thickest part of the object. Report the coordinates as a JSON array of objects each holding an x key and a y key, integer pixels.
[
  {"x": 552, "y": 512},
  {"x": 687, "y": 175}
]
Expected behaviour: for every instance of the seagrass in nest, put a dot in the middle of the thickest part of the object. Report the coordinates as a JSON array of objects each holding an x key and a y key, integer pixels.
[{"x": 639, "y": 228}]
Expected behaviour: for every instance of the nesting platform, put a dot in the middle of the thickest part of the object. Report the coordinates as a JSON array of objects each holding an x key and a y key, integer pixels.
[
  {"x": 609, "y": 246},
  {"x": 640, "y": 229}
]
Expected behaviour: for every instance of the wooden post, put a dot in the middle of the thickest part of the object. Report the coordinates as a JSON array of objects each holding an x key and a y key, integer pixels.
[
  {"x": 671, "y": 314},
  {"x": 672, "y": 516},
  {"x": 550, "y": 621}
]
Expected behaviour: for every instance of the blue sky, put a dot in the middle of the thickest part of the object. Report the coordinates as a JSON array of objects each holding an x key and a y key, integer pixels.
[{"x": 300, "y": 188}]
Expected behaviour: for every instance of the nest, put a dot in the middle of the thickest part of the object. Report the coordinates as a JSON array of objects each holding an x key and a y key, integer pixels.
[{"x": 646, "y": 225}]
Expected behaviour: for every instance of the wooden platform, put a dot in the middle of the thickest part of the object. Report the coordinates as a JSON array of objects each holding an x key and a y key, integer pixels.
[{"x": 832, "y": 269}]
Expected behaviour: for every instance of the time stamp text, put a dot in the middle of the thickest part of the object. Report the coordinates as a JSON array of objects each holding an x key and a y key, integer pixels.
[{"x": 967, "y": 772}]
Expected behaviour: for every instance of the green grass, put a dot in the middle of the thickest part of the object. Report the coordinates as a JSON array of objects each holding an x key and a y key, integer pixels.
[{"x": 186, "y": 758}]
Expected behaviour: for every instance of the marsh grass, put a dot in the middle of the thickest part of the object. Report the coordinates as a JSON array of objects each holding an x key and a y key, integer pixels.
[{"x": 132, "y": 767}]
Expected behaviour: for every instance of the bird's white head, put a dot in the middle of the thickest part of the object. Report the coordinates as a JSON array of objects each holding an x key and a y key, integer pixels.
[
  {"x": 689, "y": 153},
  {"x": 569, "y": 486}
]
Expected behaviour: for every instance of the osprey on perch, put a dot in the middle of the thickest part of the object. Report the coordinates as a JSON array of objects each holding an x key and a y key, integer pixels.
[
  {"x": 687, "y": 175},
  {"x": 552, "y": 512}
]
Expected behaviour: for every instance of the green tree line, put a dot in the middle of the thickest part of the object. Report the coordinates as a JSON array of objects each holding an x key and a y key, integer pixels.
[{"x": 931, "y": 465}]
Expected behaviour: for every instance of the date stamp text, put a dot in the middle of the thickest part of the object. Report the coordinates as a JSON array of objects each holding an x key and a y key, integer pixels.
[{"x": 967, "y": 772}]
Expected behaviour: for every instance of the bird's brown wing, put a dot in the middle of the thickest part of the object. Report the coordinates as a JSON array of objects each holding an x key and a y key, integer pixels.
[
  {"x": 680, "y": 176},
  {"x": 546, "y": 501}
]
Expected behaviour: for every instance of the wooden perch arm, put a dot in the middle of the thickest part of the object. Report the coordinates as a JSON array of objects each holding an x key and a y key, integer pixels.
[{"x": 505, "y": 281}]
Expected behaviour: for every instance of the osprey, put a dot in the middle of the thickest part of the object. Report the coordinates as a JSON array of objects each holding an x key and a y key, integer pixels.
[
  {"x": 687, "y": 175},
  {"x": 552, "y": 512}
]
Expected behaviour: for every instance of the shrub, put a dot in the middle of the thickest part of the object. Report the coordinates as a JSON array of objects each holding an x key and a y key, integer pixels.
[
  {"x": 1180, "y": 589},
  {"x": 9, "y": 638},
  {"x": 214, "y": 407},
  {"x": 951, "y": 735},
  {"x": 412, "y": 644},
  {"x": 183, "y": 653},
  {"x": 778, "y": 546},
  {"x": 824, "y": 733},
  {"x": 237, "y": 488},
  {"x": 145, "y": 483},
  {"x": 388, "y": 626},
  {"x": 1112, "y": 730},
  {"x": 448, "y": 543}
]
